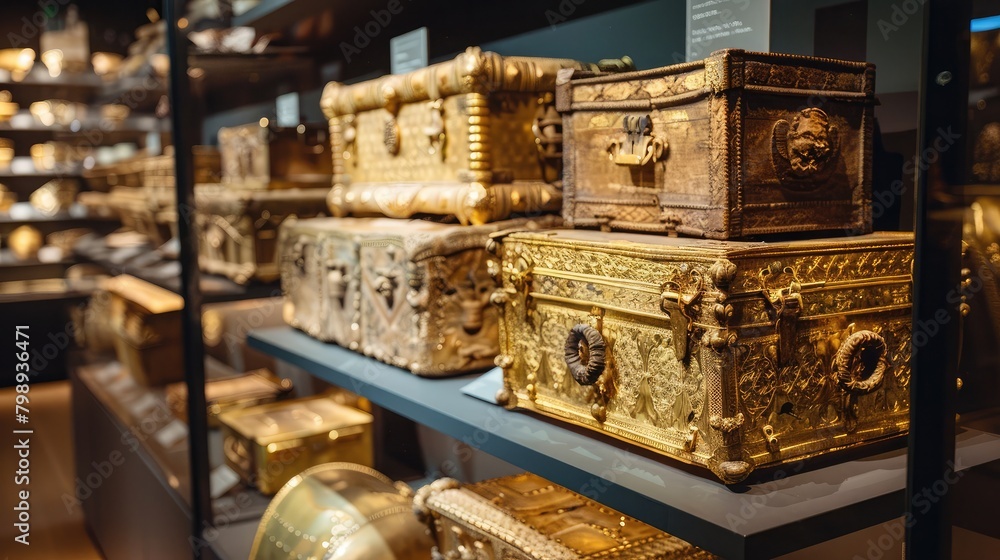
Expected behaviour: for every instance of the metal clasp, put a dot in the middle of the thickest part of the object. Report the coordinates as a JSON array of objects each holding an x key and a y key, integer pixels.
[
  {"x": 435, "y": 131},
  {"x": 678, "y": 306},
  {"x": 638, "y": 146},
  {"x": 787, "y": 306}
]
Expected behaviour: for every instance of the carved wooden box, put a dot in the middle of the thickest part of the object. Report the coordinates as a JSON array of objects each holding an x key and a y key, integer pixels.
[
  {"x": 738, "y": 144},
  {"x": 238, "y": 229},
  {"x": 145, "y": 320},
  {"x": 476, "y": 137},
  {"x": 270, "y": 443},
  {"x": 727, "y": 355},
  {"x": 270, "y": 157},
  {"x": 411, "y": 293},
  {"x": 525, "y": 517}
]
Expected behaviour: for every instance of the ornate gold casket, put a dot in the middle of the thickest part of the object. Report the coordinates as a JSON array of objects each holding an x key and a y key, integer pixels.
[
  {"x": 727, "y": 355},
  {"x": 476, "y": 137}
]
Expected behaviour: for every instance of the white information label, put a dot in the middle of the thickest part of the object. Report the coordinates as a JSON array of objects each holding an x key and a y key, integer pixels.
[
  {"x": 287, "y": 108},
  {"x": 408, "y": 51},
  {"x": 727, "y": 24}
]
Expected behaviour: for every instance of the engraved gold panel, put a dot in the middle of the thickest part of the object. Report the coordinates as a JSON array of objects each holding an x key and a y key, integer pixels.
[{"x": 727, "y": 355}]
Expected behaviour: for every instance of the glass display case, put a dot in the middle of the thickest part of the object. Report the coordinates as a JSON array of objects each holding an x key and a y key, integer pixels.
[{"x": 923, "y": 480}]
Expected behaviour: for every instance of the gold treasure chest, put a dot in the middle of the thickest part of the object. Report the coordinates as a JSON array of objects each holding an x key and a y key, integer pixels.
[
  {"x": 238, "y": 229},
  {"x": 257, "y": 156},
  {"x": 268, "y": 444},
  {"x": 525, "y": 517},
  {"x": 230, "y": 393},
  {"x": 146, "y": 322},
  {"x": 726, "y": 355},
  {"x": 476, "y": 137}
]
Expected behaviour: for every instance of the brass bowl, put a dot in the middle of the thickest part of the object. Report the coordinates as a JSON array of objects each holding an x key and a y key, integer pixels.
[
  {"x": 6, "y": 152},
  {"x": 25, "y": 242},
  {"x": 55, "y": 196},
  {"x": 7, "y": 107},
  {"x": 341, "y": 511},
  {"x": 57, "y": 112},
  {"x": 7, "y": 198},
  {"x": 53, "y": 60},
  {"x": 106, "y": 64},
  {"x": 114, "y": 113},
  {"x": 17, "y": 61}
]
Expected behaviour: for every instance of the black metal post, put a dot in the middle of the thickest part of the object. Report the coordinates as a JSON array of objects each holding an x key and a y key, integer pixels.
[
  {"x": 940, "y": 170},
  {"x": 183, "y": 119}
]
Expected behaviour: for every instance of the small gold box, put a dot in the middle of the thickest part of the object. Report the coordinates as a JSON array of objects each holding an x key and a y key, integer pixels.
[
  {"x": 146, "y": 322},
  {"x": 269, "y": 444}
]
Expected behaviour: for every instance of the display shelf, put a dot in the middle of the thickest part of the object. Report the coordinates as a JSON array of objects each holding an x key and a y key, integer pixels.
[
  {"x": 61, "y": 221},
  {"x": 12, "y": 268},
  {"x": 166, "y": 273},
  {"x": 233, "y": 80},
  {"x": 39, "y": 77},
  {"x": 25, "y": 214},
  {"x": 44, "y": 289},
  {"x": 792, "y": 511},
  {"x": 275, "y": 15},
  {"x": 23, "y": 122},
  {"x": 22, "y": 166}
]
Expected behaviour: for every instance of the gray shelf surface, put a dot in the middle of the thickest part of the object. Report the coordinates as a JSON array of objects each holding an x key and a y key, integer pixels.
[{"x": 791, "y": 511}]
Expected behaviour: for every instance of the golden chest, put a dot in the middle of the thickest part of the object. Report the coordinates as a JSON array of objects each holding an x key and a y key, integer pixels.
[{"x": 727, "y": 355}]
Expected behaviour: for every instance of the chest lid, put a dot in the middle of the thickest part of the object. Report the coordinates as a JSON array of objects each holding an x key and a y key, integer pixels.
[
  {"x": 280, "y": 421},
  {"x": 420, "y": 239},
  {"x": 143, "y": 298},
  {"x": 473, "y": 71},
  {"x": 733, "y": 267}
]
